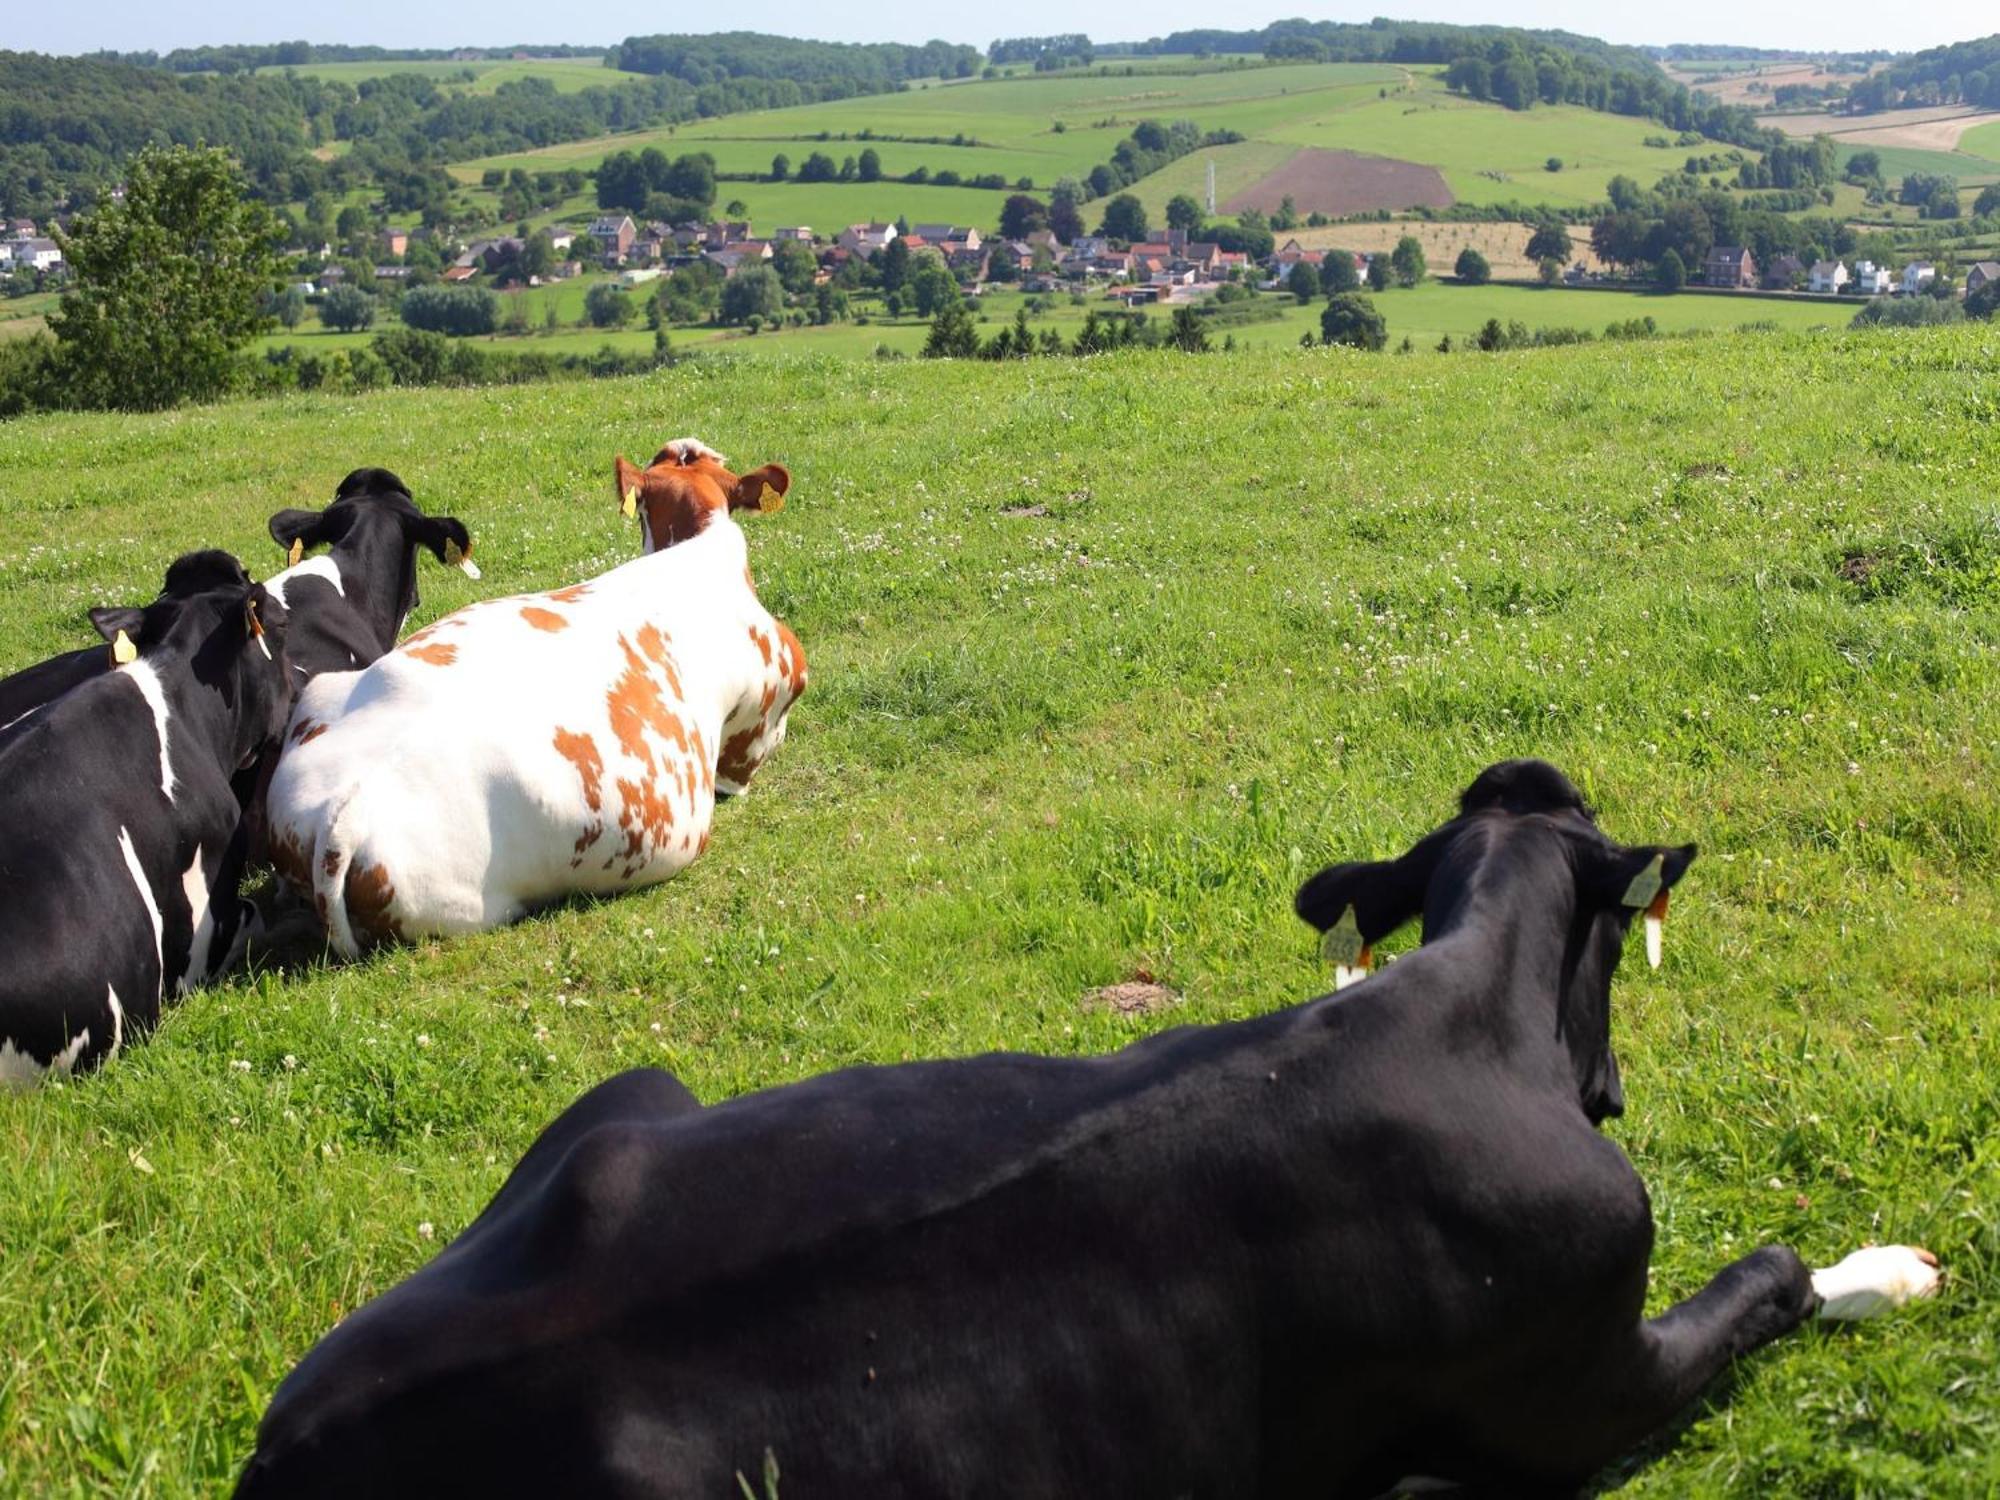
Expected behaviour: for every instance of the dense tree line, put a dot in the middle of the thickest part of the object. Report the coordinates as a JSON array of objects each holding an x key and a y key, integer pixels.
[
  {"x": 1385, "y": 41},
  {"x": 835, "y": 70},
  {"x": 1048, "y": 53},
  {"x": 241, "y": 58},
  {"x": 1519, "y": 76},
  {"x": 1963, "y": 73},
  {"x": 1653, "y": 226},
  {"x": 1148, "y": 148}
]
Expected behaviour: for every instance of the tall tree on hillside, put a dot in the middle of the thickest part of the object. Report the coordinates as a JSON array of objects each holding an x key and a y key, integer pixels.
[
  {"x": 1021, "y": 216},
  {"x": 1472, "y": 268},
  {"x": 1337, "y": 273},
  {"x": 1671, "y": 274},
  {"x": 869, "y": 165},
  {"x": 170, "y": 284},
  {"x": 952, "y": 335},
  {"x": 892, "y": 263},
  {"x": 1065, "y": 220},
  {"x": 781, "y": 167},
  {"x": 1407, "y": 261},
  {"x": 1550, "y": 241},
  {"x": 1351, "y": 318},
  {"x": 1184, "y": 213},
  {"x": 1378, "y": 272},
  {"x": 1304, "y": 281},
  {"x": 1124, "y": 219}
]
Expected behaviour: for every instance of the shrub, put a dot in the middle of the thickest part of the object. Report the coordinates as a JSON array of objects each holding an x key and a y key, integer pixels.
[
  {"x": 1472, "y": 268},
  {"x": 455, "y": 310},
  {"x": 1351, "y": 318}
]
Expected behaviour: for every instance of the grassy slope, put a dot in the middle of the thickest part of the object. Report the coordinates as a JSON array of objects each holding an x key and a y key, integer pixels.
[
  {"x": 1425, "y": 313},
  {"x": 1984, "y": 141},
  {"x": 1039, "y": 753},
  {"x": 1486, "y": 153}
]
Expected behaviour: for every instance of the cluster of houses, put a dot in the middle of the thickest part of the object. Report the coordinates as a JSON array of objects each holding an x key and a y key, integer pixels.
[
  {"x": 23, "y": 248},
  {"x": 1734, "y": 266}
]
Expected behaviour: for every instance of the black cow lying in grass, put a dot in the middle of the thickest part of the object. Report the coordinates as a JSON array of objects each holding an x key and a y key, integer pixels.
[
  {"x": 122, "y": 839},
  {"x": 345, "y": 608},
  {"x": 1373, "y": 1236}
]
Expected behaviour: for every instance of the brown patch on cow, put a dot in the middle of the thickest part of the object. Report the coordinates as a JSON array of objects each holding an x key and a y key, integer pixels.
[
  {"x": 680, "y": 497},
  {"x": 369, "y": 896},
  {"x": 635, "y": 705},
  {"x": 544, "y": 619},
  {"x": 437, "y": 653},
  {"x": 307, "y": 729},
  {"x": 1140, "y": 996},
  {"x": 592, "y": 832},
  {"x": 292, "y": 860},
  {"x": 330, "y": 862},
  {"x": 569, "y": 595},
  {"x": 795, "y": 661},
  {"x": 734, "y": 764},
  {"x": 763, "y": 642},
  {"x": 647, "y": 819},
  {"x": 581, "y": 751},
  {"x": 655, "y": 647}
]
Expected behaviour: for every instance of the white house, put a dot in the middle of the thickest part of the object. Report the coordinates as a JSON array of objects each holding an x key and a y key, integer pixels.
[
  {"x": 43, "y": 255},
  {"x": 1828, "y": 276},
  {"x": 1917, "y": 275},
  {"x": 866, "y": 239},
  {"x": 1872, "y": 280}
]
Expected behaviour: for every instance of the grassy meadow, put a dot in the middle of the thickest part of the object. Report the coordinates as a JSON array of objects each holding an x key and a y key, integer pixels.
[
  {"x": 568, "y": 75},
  {"x": 1081, "y": 707},
  {"x": 1043, "y": 127}
]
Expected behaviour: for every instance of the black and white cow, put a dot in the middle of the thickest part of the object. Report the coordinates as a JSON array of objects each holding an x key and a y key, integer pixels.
[
  {"x": 33, "y": 687},
  {"x": 121, "y": 839},
  {"x": 348, "y": 606},
  {"x": 1371, "y": 1236}
]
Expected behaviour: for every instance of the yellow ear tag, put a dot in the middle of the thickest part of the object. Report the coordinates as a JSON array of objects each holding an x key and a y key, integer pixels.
[
  {"x": 298, "y": 551},
  {"x": 1342, "y": 944},
  {"x": 1646, "y": 884},
  {"x": 460, "y": 558},
  {"x": 631, "y": 506},
  {"x": 770, "y": 501},
  {"x": 122, "y": 649}
]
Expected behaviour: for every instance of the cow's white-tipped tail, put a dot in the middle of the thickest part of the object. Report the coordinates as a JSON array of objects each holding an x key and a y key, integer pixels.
[{"x": 1876, "y": 1280}]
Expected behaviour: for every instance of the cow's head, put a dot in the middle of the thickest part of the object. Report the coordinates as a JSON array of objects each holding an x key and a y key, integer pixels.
[
  {"x": 1524, "y": 871},
  {"x": 231, "y": 634},
  {"x": 372, "y": 510},
  {"x": 685, "y": 486}
]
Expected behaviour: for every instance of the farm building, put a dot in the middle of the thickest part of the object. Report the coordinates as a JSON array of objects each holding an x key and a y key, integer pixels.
[{"x": 1730, "y": 265}]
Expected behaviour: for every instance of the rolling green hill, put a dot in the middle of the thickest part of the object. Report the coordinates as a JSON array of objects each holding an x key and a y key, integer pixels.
[
  {"x": 1044, "y": 749},
  {"x": 1048, "y": 126}
]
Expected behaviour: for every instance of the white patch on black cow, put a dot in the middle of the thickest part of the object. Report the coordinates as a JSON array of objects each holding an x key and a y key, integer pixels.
[
  {"x": 126, "y": 848},
  {"x": 143, "y": 677},
  {"x": 312, "y": 567},
  {"x": 194, "y": 885},
  {"x": 117, "y": 1022}
]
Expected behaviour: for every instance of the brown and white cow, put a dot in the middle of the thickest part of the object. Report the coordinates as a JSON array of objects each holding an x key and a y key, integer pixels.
[{"x": 532, "y": 748}]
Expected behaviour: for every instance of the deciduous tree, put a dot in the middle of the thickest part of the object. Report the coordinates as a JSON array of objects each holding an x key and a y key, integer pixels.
[
  {"x": 1351, "y": 318},
  {"x": 170, "y": 284}
]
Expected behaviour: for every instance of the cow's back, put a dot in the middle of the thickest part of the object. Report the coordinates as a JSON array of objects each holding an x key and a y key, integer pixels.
[{"x": 518, "y": 751}]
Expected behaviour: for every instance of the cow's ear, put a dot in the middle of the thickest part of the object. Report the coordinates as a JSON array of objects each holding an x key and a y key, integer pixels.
[
  {"x": 110, "y": 621},
  {"x": 448, "y": 540},
  {"x": 761, "y": 489},
  {"x": 299, "y": 531},
  {"x": 629, "y": 478},
  {"x": 1636, "y": 877},
  {"x": 1356, "y": 905}
]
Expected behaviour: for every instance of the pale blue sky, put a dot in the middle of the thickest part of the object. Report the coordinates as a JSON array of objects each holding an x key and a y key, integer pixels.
[{"x": 130, "y": 25}]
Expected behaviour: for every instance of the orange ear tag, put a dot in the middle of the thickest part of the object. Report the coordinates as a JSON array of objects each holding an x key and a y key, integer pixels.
[{"x": 122, "y": 649}]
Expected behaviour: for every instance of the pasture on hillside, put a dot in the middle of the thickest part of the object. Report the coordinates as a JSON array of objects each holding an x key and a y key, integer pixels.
[
  {"x": 1107, "y": 655},
  {"x": 567, "y": 75},
  {"x": 1485, "y": 153}
]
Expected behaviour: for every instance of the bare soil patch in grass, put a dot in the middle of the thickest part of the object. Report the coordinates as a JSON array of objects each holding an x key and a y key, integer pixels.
[{"x": 1345, "y": 182}]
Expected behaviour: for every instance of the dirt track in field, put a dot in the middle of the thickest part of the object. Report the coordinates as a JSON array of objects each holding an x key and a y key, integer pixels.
[{"x": 1345, "y": 182}]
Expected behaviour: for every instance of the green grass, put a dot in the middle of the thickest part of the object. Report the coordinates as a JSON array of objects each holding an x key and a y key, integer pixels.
[
  {"x": 1982, "y": 140},
  {"x": 1487, "y": 154},
  {"x": 1963, "y": 164},
  {"x": 1039, "y": 753},
  {"x": 1425, "y": 313}
]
